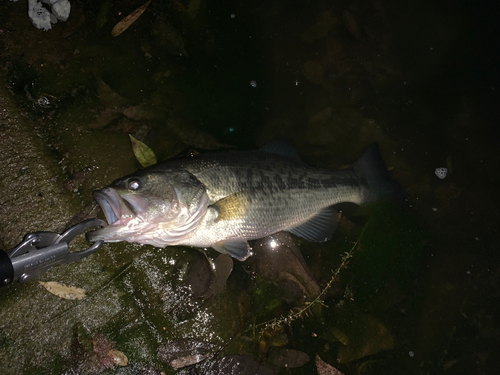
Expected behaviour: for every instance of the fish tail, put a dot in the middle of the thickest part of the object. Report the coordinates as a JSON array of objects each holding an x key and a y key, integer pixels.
[{"x": 381, "y": 186}]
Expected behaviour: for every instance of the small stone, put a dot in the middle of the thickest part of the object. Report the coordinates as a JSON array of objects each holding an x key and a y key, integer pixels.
[{"x": 441, "y": 172}]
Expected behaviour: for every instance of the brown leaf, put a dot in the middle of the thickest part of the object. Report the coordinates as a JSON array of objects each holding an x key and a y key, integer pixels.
[
  {"x": 119, "y": 358},
  {"x": 124, "y": 24},
  {"x": 102, "y": 348}
]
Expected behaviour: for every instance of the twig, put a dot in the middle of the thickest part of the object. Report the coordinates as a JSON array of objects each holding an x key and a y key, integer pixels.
[{"x": 273, "y": 324}]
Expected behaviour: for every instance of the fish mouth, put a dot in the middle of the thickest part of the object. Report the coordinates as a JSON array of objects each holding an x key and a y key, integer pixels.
[
  {"x": 119, "y": 210},
  {"x": 110, "y": 204}
]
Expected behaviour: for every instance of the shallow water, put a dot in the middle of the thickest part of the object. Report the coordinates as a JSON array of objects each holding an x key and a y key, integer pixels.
[{"x": 420, "y": 293}]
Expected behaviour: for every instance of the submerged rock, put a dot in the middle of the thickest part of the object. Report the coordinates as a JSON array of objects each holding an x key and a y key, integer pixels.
[
  {"x": 279, "y": 260},
  {"x": 288, "y": 358}
]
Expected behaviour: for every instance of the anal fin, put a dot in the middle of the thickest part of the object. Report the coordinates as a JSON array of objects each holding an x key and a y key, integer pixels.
[
  {"x": 320, "y": 227},
  {"x": 239, "y": 249}
]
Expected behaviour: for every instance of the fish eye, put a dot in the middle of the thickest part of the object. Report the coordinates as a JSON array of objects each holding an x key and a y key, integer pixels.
[{"x": 134, "y": 184}]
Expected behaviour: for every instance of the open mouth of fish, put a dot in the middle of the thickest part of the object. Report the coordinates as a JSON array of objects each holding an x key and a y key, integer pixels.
[
  {"x": 124, "y": 214},
  {"x": 119, "y": 210}
]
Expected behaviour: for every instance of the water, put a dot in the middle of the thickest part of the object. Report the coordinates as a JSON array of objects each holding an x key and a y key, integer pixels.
[{"x": 420, "y": 294}]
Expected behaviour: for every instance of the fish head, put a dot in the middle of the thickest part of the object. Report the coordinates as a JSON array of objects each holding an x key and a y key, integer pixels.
[{"x": 159, "y": 208}]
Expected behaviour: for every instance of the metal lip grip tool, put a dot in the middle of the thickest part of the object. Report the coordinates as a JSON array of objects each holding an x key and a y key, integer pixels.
[{"x": 40, "y": 251}]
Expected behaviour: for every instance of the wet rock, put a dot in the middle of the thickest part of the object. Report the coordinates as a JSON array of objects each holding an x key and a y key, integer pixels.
[
  {"x": 89, "y": 211},
  {"x": 142, "y": 112},
  {"x": 351, "y": 24},
  {"x": 320, "y": 29},
  {"x": 168, "y": 38},
  {"x": 362, "y": 335},
  {"x": 198, "y": 275},
  {"x": 31, "y": 198},
  {"x": 279, "y": 260},
  {"x": 184, "y": 352},
  {"x": 287, "y": 358},
  {"x": 109, "y": 97},
  {"x": 188, "y": 284},
  {"x": 232, "y": 365},
  {"x": 79, "y": 178},
  {"x": 41, "y": 101},
  {"x": 142, "y": 369},
  {"x": 326, "y": 369},
  {"x": 223, "y": 266},
  {"x": 314, "y": 71},
  {"x": 192, "y": 135}
]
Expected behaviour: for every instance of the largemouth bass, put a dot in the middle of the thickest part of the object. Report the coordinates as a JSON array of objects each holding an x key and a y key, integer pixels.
[{"x": 223, "y": 200}]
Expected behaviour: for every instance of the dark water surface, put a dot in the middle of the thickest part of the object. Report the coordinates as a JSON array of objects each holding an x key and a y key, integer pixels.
[{"x": 420, "y": 294}]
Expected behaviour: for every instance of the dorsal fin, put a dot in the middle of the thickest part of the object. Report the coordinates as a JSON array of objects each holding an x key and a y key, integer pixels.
[
  {"x": 320, "y": 227},
  {"x": 282, "y": 147}
]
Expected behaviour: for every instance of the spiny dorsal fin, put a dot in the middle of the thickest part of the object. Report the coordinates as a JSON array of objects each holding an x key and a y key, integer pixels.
[
  {"x": 282, "y": 147},
  {"x": 239, "y": 249},
  {"x": 320, "y": 227}
]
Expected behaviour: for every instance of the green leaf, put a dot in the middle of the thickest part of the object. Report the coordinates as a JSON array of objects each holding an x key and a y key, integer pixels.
[{"x": 143, "y": 153}]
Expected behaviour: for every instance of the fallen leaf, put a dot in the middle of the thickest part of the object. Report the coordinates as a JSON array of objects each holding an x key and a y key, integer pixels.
[
  {"x": 142, "y": 152},
  {"x": 63, "y": 290},
  {"x": 125, "y": 23},
  {"x": 102, "y": 349},
  {"x": 325, "y": 369},
  {"x": 119, "y": 358}
]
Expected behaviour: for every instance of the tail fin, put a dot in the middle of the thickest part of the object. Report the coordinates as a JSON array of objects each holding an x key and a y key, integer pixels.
[{"x": 371, "y": 167}]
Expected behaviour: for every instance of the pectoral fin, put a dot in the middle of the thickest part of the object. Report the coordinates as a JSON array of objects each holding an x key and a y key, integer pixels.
[
  {"x": 239, "y": 249},
  {"x": 232, "y": 207},
  {"x": 320, "y": 227}
]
